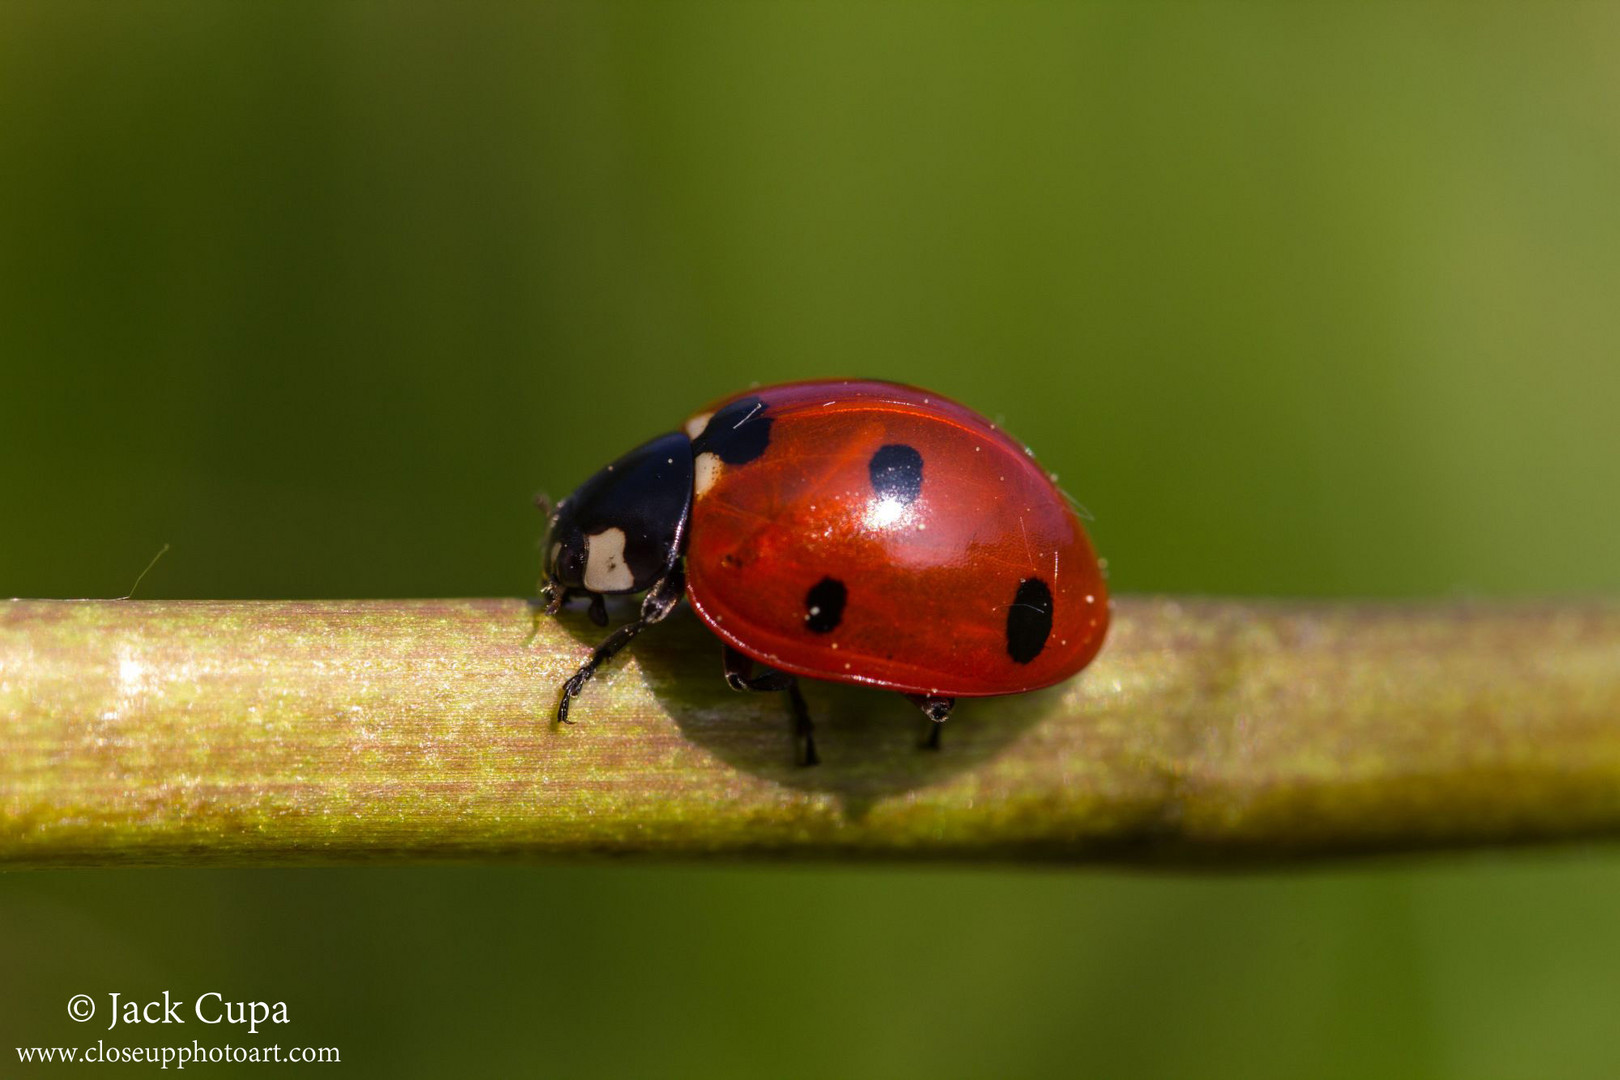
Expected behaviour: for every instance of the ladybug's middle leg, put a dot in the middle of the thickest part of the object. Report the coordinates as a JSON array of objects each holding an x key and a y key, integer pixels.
[{"x": 740, "y": 676}]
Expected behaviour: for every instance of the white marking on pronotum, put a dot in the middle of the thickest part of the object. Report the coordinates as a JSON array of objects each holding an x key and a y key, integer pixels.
[
  {"x": 556, "y": 550},
  {"x": 605, "y": 568},
  {"x": 697, "y": 425},
  {"x": 705, "y": 471}
]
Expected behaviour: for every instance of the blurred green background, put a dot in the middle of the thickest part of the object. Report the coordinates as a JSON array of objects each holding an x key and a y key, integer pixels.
[{"x": 1299, "y": 301}]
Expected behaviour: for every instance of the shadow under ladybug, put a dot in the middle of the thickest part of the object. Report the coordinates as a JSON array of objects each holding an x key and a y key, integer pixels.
[
  {"x": 868, "y": 744},
  {"x": 871, "y": 746}
]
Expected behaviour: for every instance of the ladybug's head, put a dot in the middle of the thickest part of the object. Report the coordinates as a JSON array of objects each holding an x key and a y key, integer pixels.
[
  {"x": 625, "y": 527},
  {"x": 562, "y": 562}
]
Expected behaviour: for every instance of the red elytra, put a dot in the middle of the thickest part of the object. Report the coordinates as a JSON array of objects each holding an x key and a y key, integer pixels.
[
  {"x": 929, "y": 583},
  {"x": 853, "y": 531}
]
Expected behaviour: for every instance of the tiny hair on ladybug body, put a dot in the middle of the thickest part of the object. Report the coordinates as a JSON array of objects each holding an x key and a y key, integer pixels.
[{"x": 847, "y": 530}]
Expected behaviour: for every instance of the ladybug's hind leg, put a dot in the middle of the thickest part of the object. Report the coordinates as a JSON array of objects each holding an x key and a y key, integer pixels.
[
  {"x": 659, "y": 602},
  {"x": 740, "y": 676},
  {"x": 937, "y": 709}
]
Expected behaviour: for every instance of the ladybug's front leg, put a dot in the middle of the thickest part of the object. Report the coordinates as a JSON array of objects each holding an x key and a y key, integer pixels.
[
  {"x": 739, "y": 675},
  {"x": 659, "y": 602},
  {"x": 555, "y": 597}
]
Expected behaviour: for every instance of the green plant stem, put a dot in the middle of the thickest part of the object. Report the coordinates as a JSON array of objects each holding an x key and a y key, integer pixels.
[{"x": 1208, "y": 732}]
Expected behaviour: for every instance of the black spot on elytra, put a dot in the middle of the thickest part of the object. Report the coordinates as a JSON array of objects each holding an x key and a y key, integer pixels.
[
  {"x": 1029, "y": 620},
  {"x": 736, "y": 434},
  {"x": 824, "y": 605},
  {"x": 897, "y": 472}
]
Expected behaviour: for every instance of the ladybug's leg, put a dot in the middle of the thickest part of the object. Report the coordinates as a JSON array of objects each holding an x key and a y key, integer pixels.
[
  {"x": 555, "y": 598},
  {"x": 802, "y": 727},
  {"x": 659, "y": 602},
  {"x": 937, "y": 709},
  {"x": 740, "y": 676},
  {"x": 740, "y": 673}
]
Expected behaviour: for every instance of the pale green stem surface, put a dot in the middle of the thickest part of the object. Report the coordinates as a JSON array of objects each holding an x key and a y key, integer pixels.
[{"x": 1209, "y": 732}]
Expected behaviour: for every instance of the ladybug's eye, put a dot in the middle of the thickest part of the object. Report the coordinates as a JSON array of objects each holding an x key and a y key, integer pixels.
[
  {"x": 565, "y": 562},
  {"x": 571, "y": 566}
]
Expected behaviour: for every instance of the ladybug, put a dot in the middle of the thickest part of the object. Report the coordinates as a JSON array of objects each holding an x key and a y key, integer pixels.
[{"x": 854, "y": 531}]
